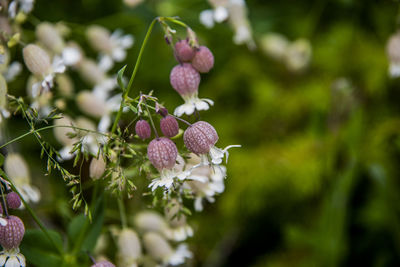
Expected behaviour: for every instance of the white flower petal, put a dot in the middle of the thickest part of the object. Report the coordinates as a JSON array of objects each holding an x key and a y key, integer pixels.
[
  {"x": 207, "y": 18},
  {"x": 220, "y": 14},
  {"x": 71, "y": 56},
  {"x": 104, "y": 124}
]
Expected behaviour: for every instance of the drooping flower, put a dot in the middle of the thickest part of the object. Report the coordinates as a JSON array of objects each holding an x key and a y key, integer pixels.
[
  {"x": 160, "y": 250},
  {"x": 208, "y": 183},
  {"x": 150, "y": 221},
  {"x": 111, "y": 46},
  {"x": 179, "y": 229},
  {"x": 129, "y": 248},
  {"x": 97, "y": 167},
  {"x": 12, "y": 233},
  {"x": 200, "y": 138},
  {"x": 185, "y": 80},
  {"x": 38, "y": 62},
  {"x": 17, "y": 170}
]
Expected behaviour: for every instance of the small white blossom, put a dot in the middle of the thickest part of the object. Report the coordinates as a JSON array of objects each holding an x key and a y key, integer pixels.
[
  {"x": 12, "y": 258},
  {"x": 191, "y": 104}
]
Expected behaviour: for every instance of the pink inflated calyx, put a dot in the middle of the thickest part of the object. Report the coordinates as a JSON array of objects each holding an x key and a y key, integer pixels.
[
  {"x": 142, "y": 129},
  {"x": 200, "y": 137},
  {"x": 169, "y": 126},
  {"x": 162, "y": 153},
  {"x": 13, "y": 200},
  {"x": 184, "y": 51},
  {"x": 185, "y": 79},
  {"x": 103, "y": 264},
  {"x": 11, "y": 234},
  {"x": 203, "y": 60}
]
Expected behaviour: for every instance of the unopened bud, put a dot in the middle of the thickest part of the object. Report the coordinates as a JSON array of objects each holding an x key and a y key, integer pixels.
[
  {"x": 200, "y": 137},
  {"x": 91, "y": 104},
  {"x": 150, "y": 221},
  {"x": 162, "y": 153},
  {"x": 142, "y": 129},
  {"x": 185, "y": 79},
  {"x": 13, "y": 200},
  {"x": 49, "y": 36},
  {"x": 99, "y": 38},
  {"x": 91, "y": 72},
  {"x": 97, "y": 167},
  {"x": 157, "y": 246},
  {"x": 129, "y": 245},
  {"x": 37, "y": 60},
  {"x": 16, "y": 167},
  {"x": 169, "y": 126},
  {"x": 184, "y": 52},
  {"x": 11, "y": 234},
  {"x": 203, "y": 60}
]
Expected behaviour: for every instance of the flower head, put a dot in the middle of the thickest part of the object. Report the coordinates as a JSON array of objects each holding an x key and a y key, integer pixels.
[
  {"x": 13, "y": 200},
  {"x": 129, "y": 247},
  {"x": 103, "y": 264},
  {"x": 184, "y": 51},
  {"x": 169, "y": 126}
]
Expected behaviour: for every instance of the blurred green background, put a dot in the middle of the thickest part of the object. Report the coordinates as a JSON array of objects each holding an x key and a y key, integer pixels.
[{"x": 316, "y": 182}]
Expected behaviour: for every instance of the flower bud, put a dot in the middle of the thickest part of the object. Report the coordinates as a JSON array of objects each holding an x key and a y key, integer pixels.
[
  {"x": 37, "y": 60},
  {"x": 142, "y": 129},
  {"x": 162, "y": 153},
  {"x": 169, "y": 126},
  {"x": 91, "y": 104},
  {"x": 49, "y": 37},
  {"x": 129, "y": 248},
  {"x": 157, "y": 246},
  {"x": 16, "y": 167},
  {"x": 103, "y": 264},
  {"x": 97, "y": 167},
  {"x": 11, "y": 235},
  {"x": 13, "y": 200},
  {"x": 99, "y": 38},
  {"x": 203, "y": 60},
  {"x": 91, "y": 72},
  {"x": 150, "y": 221},
  {"x": 184, "y": 52},
  {"x": 184, "y": 79},
  {"x": 200, "y": 137}
]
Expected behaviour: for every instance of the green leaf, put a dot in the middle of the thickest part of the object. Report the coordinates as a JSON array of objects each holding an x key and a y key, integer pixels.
[
  {"x": 120, "y": 78},
  {"x": 1, "y": 159},
  {"x": 39, "y": 250}
]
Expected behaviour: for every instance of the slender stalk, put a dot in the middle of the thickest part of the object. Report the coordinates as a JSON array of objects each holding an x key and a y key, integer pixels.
[
  {"x": 3, "y": 201},
  {"x": 32, "y": 213},
  {"x": 151, "y": 119},
  {"x": 135, "y": 69},
  {"x": 122, "y": 213},
  {"x": 49, "y": 127}
]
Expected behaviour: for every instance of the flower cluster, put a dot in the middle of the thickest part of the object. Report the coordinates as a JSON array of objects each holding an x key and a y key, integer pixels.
[{"x": 86, "y": 115}]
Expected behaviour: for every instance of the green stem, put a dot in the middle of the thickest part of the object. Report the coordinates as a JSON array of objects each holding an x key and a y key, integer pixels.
[
  {"x": 151, "y": 119},
  {"x": 46, "y": 128},
  {"x": 128, "y": 89},
  {"x": 122, "y": 213},
  {"x": 32, "y": 213}
]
